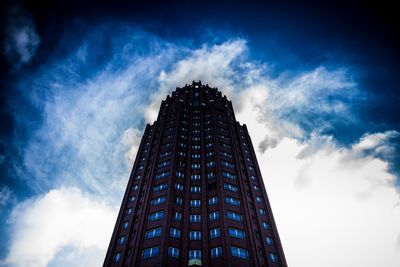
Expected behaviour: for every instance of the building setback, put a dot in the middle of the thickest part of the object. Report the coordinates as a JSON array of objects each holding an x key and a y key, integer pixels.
[{"x": 195, "y": 196}]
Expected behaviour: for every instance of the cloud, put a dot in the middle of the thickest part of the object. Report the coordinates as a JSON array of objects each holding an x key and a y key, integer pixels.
[
  {"x": 58, "y": 227},
  {"x": 5, "y": 195},
  {"x": 22, "y": 40}
]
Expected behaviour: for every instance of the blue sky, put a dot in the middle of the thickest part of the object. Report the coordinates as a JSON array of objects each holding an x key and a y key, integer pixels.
[{"x": 316, "y": 85}]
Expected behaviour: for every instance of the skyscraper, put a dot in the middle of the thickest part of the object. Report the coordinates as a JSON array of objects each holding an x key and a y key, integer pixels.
[{"x": 195, "y": 196}]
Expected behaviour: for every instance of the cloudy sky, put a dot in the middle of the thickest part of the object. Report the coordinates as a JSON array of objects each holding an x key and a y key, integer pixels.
[{"x": 316, "y": 85}]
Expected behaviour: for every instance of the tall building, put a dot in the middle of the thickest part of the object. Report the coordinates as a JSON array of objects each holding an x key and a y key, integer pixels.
[{"x": 195, "y": 196}]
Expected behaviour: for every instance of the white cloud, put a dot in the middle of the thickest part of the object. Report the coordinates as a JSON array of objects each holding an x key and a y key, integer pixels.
[
  {"x": 22, "y": 40},
  {"x": 5, "y": 195},
  {"x": 59, "y": 226}
]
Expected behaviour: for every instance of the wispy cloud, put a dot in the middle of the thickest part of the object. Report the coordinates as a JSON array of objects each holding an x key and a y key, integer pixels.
[{"x": 21, "y": 40}]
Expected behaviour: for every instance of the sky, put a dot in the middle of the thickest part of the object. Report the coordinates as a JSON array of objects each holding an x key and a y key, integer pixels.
[{"x": 316, "y": 85}]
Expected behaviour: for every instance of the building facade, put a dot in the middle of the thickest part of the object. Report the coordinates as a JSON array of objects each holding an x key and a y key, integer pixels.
[{"x": 195, "y": 196}]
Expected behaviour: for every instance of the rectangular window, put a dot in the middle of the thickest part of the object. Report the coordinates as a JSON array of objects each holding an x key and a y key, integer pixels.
[
  {"x": 231, "y": 187},
  {"x": 209, "y": 154},
  {"x": 216, "y": 252},
  {"x": 150, "y": 252},
  {"x": 228, "y": 175},
  {"x": 213, "y": 201},
  {"x": 195, "y": 235},
  {"x": 234, "y": 216},
  {"x": 195, "y": 254},
  {"x": 162, "y": 175},
  {"x": 232, "y": 201},
  {"x": 178, "y": 201},
  {"x": 227, "y": 164},
  {"x": 121, "y": 240},
  {"x": 156, "y": 216},
  {"x": 173, "y": 252},
  {"x": 269, "y": 241},
  {"x": 258, "y": 199},
  {"x": 152, "y": 233},
  {"x": 195, "y": 203},
  {"x": 195, "y": 189},
  {"x": 175, "y": 233},
  {"x": 273, "y": 257},
  {"x": 214, "y": 216},
  {"x": 195, "y": 218},
  {"x": 180, "y": 175},
  {"x": 125, "y": 225},
  {"x": 160, "y": 187},
  {"x": 164, "y": 164},
  {"x": 178, "y": 216},
  {"x": 179, "y": 187},
  {"x": 216, "y": 232},
  {"x": 262, "y": 211},
  {"x": 195, "y": 147},
  {"x": 265, "y": 225},
  {"x": 210, "y": 175},
  {"x": 239, "y": 252},
  {"x": 195, "y": 177},
  {"x": 117, "y": 257},
  {"x": 158, "y": 200},
  {"x": 195, "y": 156},
  {"x": 233, "y": 232},
  {"x": 195, "y": 166}
]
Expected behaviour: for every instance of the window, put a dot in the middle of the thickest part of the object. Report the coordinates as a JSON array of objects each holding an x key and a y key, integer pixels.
[
  {"x": 138, "y": 177},
  {"x": 226, "y": 154},
  {"x": 125, "y": 225},
  {"x": 195, "y": 166},
  {"x": 262, "y": 211},
  {"x": 156, "y": 232},
  {"x": 210, "y": 175},
  {"x": 178, "y": 201},
  {"x": 129, "y": 211},
  {"x": 195, "y": 147},
  {"x": 158, "y": 200},
  {"x": 210, "y": 163},
  {"x": 265, "y": 225},
  {"x": 227, "y": 164},
  {"x": 117, "y": 257},
  {"x": 231, "y": 187},
  {"x": 195, "y": 177},
  {"x": 195, "y": 189},
  {"x": 233, "y": 232},
  {"x": 213, "y": 201},
  {"x": 258, "y": 199},
  {"x": 216, "y": 232},
  {"x": 173, "y": 252},
  {"x": 178, "y": 216},
  {"x": 175, "y": 233},
  {"x": 209, "y": 154},
  {"x": 234, "y": 216},
  {"x": 273, "y": 257},
  {"x": 214, "y": 215},
  {"x": 180, "y": 175},
  {"x": 195, "y": 235},
  {"x": 195, "y": 218},
  {"x": 156, "y": 216},
  {"x": 196, "y": 138},
  {"x": 228, "y": 175},
  {"x": 135, "y": 187},
  {"x": 209, "y": 145},
  {"x": 179, "y": 187},
  {"x": 256, "y": 188},
  {"x": 194, "y": 254},
  {"x": 162, "y": 175},
  {"x": 269, "y": 241},
  {"x": 182, "y": 154},
  {"x": 163, "y": 164},
  {"x": 132, "y": 199},
  {"x": 121, "y": 240},
  {"x": 160, "y": 187},
  {"x": 216, "y": 252},
  {"x": 195, "y": 156},
  {"x": 239, "y": 252},
  {"x": 232, "y": 201},
  {"x": 150, "y": 252},
  {"x": 165, "y": 154},
  {"x": 195, "y": 203}
]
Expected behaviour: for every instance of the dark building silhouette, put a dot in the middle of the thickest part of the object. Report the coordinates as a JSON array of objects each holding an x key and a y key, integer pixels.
[{"x": 195, "y": 196}]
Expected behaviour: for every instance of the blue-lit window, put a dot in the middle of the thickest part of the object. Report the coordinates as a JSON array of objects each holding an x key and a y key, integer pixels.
[
  {"x": 195, "y": 235},
  {"x": 179, "y": 187},
  {"x": 150, "y": 252},
  {"x": 195, "y": 166},
  {"x": 182, "y": 154},
  {"x": 230, "y": 187},
  {"x": 216, "y": 232},
  {"x": 209, "y": 136},
  {"x": 209, "y": 145},
  {"x": 162, "y": 175},
  {"x": 160, "y": 187},
  {"x": 232, "y": 201},
  {"x": 182, "y": 145},
  {"x": 195, "y": 203},
  {"x": 228, "y": 175},
  {"x": 258, "y": 199},
  {"x": 195, "y": 189},
  {"x": 178, "y": 216},
  {"x": 156, "y": 216},
  {"x": 195, "y": 147},
  {"x": 129, "y": 211},
  {"x": 234, "y": 216},
  {"x": 121, "y": 240},
  {"x": 125, "y": 225},
  {"x": 195, "y": 156},
  {"x": 239, "y": 252},
  {"x": 213, "y": 201},
  {"x": 210, "y": 163},
  {"x": 227, "y": 164},
  {"x": 251, "y": 168},
  {"x": 165, "y": 154},
  {"x": 178, "y": 201},
  {"x": 135, "y": 187},
  {"x": 180, "y": 175},
  {"x": 196, "y": 138},
  {"x": 273, "y": 257},
  {"x": 164, "y": 164},
  {"x": 195, "y": 254},
  {"x": 158, "y": 200},
  {"x": 195, "y": 177},
  {"x": 216, "y": 252},
  {"x": 209, "y": 154},
  {"x": 173, "y": 252},
  {"x": 256, "y": 188},
  {"x": 132, "y": 199},
  {"x": 265, "y": 225},
  {"x": 214, "y": 216},
  {"x": 233, "y": 232},
  {"x": 138, "y": 177},
  {"x": 175, "y": 233},
  {"x": 210, "y": 175},
  {"x": 262, "y": 211},
  {"x": 269, "y": 241},
  {"x": 195, "y": 218},
  {"x": 152, "y": 233},
  {"x": 117, "y": 257},
  {"x": 226, "y": 154}
]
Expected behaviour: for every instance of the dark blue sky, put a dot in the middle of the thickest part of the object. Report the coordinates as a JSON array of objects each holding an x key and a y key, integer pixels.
[{"x": 290, "y": 38}]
